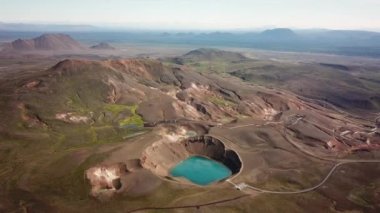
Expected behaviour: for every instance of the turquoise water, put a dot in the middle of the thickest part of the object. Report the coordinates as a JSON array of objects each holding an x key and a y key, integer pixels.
[{"x": 201, "y": 170}]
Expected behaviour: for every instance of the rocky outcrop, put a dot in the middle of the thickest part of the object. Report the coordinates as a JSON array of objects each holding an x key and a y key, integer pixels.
[
  {"x": 108, "y": 180},
  {"x": 30, "y": 119},
  {"x": 105, "y": 180},
  {"x": 70, "y": 117},
  {"x": 377, "y": 122}
]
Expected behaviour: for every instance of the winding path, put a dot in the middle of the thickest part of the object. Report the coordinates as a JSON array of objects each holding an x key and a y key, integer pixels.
[
  {"x": 256, "y": 189},
  {"x": 339, "y": 162},
  {"x": 244, "y": 185}
]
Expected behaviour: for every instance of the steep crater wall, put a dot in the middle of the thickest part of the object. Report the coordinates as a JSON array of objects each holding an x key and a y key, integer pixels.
[
  {"x": 162, "y": 156},
  {"x": 214, "y": 149}
]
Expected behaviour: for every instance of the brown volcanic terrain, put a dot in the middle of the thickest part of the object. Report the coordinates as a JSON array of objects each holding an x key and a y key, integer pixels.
[
  {"x": 124, "y": 123},
  {"x": 45, "y": 42}
]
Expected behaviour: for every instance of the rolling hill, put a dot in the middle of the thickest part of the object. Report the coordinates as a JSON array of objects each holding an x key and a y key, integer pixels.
[{"x": 103, "y": 46}]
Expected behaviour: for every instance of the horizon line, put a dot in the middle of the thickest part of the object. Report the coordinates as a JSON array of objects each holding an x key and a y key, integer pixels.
[{"x": 125, "y": 27}]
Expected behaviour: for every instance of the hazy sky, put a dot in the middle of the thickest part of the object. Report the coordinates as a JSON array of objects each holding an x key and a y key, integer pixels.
[{"x": 197, "y": 14}]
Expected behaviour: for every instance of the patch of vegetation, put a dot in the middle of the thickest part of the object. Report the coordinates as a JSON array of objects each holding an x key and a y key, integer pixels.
[
  {"x": 75, "y": 104},
  {"x": 134, "y": 121},
  {"x": 116, "y": 108},
  {"x": 221, "y": 102},
  {"x": 218, "y": 66}
]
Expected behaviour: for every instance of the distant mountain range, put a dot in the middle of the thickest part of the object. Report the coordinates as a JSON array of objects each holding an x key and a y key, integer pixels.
[
  {"x": 45, "y": 42},
  {"x": 341, "y": 42},
  {"x": 51, "y": 42}
]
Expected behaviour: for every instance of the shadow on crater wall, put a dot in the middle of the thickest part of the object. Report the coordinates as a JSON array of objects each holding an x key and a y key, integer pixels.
[{"x": 214, "y": 149}]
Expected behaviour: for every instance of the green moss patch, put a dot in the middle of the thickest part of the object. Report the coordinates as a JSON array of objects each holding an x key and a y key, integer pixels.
[
  {"x": 116, "y": 108},
  {"x": 134, "y": 120},
  {"x": 221, "y": 102}
]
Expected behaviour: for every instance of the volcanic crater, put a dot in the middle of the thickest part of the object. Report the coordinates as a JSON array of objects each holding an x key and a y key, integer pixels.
[{"x": 162, "y": 156}]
